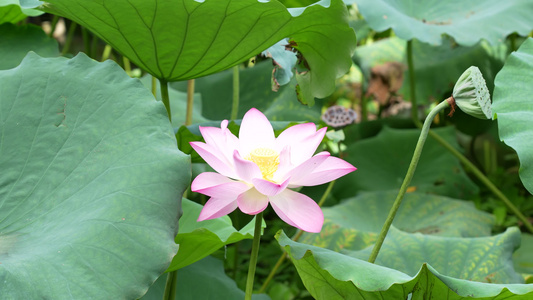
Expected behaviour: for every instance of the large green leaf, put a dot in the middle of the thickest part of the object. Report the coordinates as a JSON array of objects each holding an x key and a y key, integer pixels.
[
  {"x": 17, "y": 41},
  {"x": 91, "y": 182},
  {"x": 178, "y": 40},
  {"x": 355, "y": 223},
  {"x": 205, "y": 279},
  {"x": 467, "y": 22},
  {"x": 200, "y": 239},
  {"x": 382, "y": 162},
  {"x": 436, "y": 68},
  {"x": 331, "y": 275},
  {"x": 483, "y": 259},
  {"x": 513, "y": 105},
  {"x": 255, "y": 91}
]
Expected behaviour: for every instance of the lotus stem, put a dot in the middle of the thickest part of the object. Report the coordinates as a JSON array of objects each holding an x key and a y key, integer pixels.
[
  {"x": 154, "y": 86},
  {"x": 106, "y": 53},
  {"x": 170, "y": 286},
  {"x": 412, "y": 83},
  {"x": 407, "y": 179},
  {"x": 127, "y": 65},
  {"x": 53, "y": 26},
  {"x": 190, "y": 102},
  {"x": 236, "y": 87},
  {"x": 164, "y": 97},
  {"x": 253, "y": 257},
  {"x": 296, "y": 237},
  {"x": 70, "y": 36}
]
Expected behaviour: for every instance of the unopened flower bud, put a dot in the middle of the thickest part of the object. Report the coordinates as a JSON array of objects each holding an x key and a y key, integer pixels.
[{"x": 472, "y": 95}]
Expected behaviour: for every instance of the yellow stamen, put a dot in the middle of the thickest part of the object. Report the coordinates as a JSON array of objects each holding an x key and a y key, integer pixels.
[{"x": 267, "y": 160}]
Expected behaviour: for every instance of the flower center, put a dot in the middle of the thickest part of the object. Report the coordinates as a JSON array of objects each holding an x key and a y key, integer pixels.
[{"x": 267, "y": 160}]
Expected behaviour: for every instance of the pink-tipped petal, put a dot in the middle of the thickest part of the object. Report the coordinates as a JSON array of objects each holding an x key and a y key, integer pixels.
[
  {"x": 303, "y": 139},
  {"x": 252, "y": 202},
  {"x": 255, "y": 132},
  {"x": 331, "y": 169},
  {"x": 222, "y": 140},
  {"x": 298, "y": 210},
  {"x": 215, "y": 185},
  {"x": 269, "y": 188},
  {"x": 307, "y": 167},
  {"x": 214, "y": 158},
  {"x": 246, "y": 170},
  {"x": 217, "y": 207}
]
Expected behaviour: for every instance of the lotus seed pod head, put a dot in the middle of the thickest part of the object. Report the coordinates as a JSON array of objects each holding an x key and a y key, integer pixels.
[{"x": 472, "y": 95}]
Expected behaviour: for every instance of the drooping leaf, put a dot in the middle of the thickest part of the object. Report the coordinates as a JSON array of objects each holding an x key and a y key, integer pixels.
[
  {"x": 467, "y": 22},
  {"x": 356, "y": 223},
  {"x": 284, "y": 62},
  {"x": 17, "y": 41},
  {"x": 179, "y": 40},
  {"x": 331, "y": 275},
  {"x": 513, "y": 105},
  {"x": 200, "y": 239},
  {"x": 91, "y": 182},
  {"x": 383, "y": 160},
  {"x": 204, "y": 279}
]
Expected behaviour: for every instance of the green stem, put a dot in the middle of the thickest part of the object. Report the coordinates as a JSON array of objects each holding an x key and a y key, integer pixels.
[
  {"x": 164, "y": 96},
  {"x": 127, "y": 65},
  {"x": 253, "y": 257},
  {"x": 154, "y": 86},
  {"x": 469, "y": 165},
  {"x": 296, "y": 237},
  {"x": 86, "y": 41},
  {"x": 407, "y": 179},
  {"x": 190, "y": 102},
  {"x": 106, "y": 53},
  {"x": 236, "y": 87},
  {"x": 364, "y": 108},
  {"x": 412, "y": 83},
  {"x": 53, "y": 25},
  {"x": 170, "y": 286},
  {"x": 94, "y": 46},
  {"x": 70, "y": 36}
]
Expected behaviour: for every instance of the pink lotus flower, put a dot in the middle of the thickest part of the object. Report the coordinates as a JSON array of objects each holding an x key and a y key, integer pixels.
[{"x": 257, "y": 168}]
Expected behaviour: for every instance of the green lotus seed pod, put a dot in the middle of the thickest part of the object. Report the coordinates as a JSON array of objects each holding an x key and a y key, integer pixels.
[{"x": 472, "y": 95}]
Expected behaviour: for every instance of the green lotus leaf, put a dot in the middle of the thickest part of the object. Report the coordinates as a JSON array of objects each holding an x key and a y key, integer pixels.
[
  {"x": 200, "y": 239},
  {"x": 512, "y": 103},
  {"x": 331, "y": 275},
  {"x": 178, "y": 40},
  {"x": 482, "y": 259},
  {"x": 205, "y": 279},
  {"x": 522, "y": 258},
  {"x": 383, "y": 160},
  {"x": 12, "y": 12},
  {"x": 91, "y": 182},
  {"x": 356, "y": 222},
  {"x": 467, "y": 22},
  {"x": 17, "y": 41}
]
